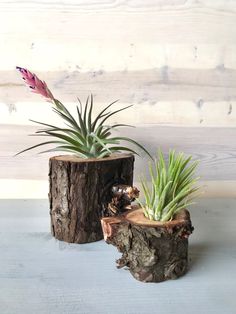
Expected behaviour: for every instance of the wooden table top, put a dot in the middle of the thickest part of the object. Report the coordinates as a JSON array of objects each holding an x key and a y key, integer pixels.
[{"x": 39, "y": 274}]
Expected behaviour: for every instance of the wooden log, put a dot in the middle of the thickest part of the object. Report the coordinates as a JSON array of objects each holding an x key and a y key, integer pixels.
[
  {"x": 153, "y": 251},
  {"x": 80, "y": 190}
]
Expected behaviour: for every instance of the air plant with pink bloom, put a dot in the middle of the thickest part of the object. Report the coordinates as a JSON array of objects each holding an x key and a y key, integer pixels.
[{"x": 81, "y": 135}]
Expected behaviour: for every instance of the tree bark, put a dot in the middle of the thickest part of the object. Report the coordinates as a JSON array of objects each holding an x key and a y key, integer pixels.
[
  {"x": 79, "y": 192},
  {"x": 153, "y": 251}
]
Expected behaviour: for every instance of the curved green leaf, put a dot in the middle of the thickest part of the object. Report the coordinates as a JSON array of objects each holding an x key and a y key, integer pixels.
[
  {"x": 100, "y": 115},
  {"x": 121, "y": 138},
  {"x": 44, "y": 143}
]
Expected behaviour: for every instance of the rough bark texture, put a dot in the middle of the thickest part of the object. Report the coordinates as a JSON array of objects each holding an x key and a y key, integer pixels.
[
  {"x": 152, "y": 251},
  {"x": 80, "y": 190}
]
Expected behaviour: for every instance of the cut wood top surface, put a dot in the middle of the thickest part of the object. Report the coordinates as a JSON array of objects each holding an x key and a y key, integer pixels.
[
  {"x": 73, "y": 158},
  {"x": 136, "y": 216}
]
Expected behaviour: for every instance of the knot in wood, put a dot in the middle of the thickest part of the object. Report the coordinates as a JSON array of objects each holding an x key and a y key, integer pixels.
[{"x": 122, "y": 197}]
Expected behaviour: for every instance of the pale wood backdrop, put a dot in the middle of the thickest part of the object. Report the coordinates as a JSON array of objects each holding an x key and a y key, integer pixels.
[{"x": 174, "y": 60}]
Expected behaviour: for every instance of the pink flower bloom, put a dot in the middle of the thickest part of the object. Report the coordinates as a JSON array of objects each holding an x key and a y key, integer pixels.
[{"x": 35, "y": 84}]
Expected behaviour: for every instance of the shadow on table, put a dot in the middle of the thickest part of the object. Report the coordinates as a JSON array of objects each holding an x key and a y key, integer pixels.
[{"x": 198, "y": 253}]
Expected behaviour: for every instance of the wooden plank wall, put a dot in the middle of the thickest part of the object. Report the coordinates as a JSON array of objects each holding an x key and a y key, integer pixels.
[{"x": 174, "y": 60}]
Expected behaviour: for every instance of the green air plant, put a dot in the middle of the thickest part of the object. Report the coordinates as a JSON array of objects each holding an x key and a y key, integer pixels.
[
  {"x": 83, "y": 135},
  {"x": 172, "y": 186}
]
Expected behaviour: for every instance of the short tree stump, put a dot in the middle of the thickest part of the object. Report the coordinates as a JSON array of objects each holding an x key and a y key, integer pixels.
[
  {"x": 80, "y": 190},
  {"x": 153, "y": 251}
]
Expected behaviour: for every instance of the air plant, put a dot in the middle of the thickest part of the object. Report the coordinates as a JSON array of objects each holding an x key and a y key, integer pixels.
[
  {"x": 83, "y": 135},
  {"x": 172, "y": 186}
]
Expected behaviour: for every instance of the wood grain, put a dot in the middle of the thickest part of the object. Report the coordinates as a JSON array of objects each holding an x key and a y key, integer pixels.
[
  {"x": 174, "y": 60},
  {"x": 214, "y": 147},
  {"x": 166, "y": 95},
  {"x": 153, "y": 85},
  {"x": 155, "y": 20},
  {"x": 142, "y": 53}
]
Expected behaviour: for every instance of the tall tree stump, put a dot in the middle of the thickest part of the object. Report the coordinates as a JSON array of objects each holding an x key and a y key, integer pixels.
[
  {"x": 153, "y": 251},
  {"x": 80, "y": 190}
]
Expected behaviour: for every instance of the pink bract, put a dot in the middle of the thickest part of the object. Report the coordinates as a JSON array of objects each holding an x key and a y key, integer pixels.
[{"x": 35, "y": 84}]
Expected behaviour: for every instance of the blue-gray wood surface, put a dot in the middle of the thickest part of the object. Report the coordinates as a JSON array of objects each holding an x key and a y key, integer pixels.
[{"x": 40, "y": 275}]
